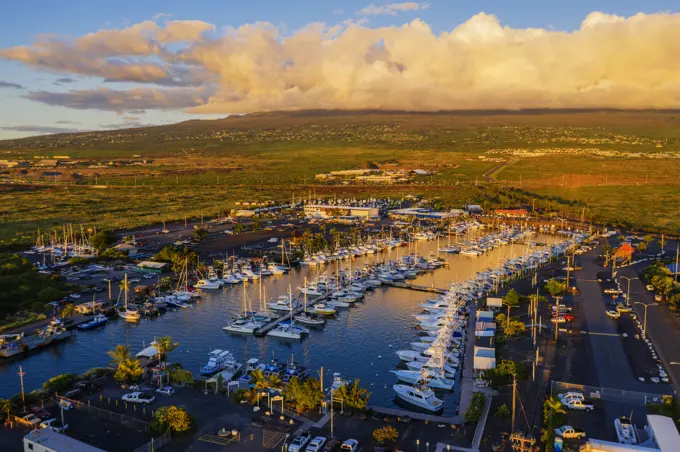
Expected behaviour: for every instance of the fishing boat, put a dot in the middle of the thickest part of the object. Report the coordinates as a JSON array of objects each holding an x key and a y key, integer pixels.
[
  {"x": 311, "y": 319},
  {"x": 14, "y": 344},
  {"x": 217, "y": 359},
  {"x": 419, "y": 396},
  {"x": 231, "y": 370},
  {"x": 625, "y": 430},
  {"x": 322, "y": 309},
  {"x": 430, "y": 377},
  {"x": 97, "y": 321},
  {"x": 205, "y": 284},
  {"x": 129, "y": 313}
]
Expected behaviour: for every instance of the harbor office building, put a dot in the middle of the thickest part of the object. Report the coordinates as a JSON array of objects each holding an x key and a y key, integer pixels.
[{"x": 324, "y": 211}]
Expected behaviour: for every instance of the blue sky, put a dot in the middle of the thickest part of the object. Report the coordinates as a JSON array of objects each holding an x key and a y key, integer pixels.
[{"x": 22, "y": 22}]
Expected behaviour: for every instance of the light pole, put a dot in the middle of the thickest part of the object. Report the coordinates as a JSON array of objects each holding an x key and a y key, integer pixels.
[
  {"x": 628, "y": 291},
  {"x": 644, "y": 321}
]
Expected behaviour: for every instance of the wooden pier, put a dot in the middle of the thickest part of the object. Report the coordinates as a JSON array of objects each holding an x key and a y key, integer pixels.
[
  {"x": 415, "y": 287},
  {"x": 263, "y": 330}
]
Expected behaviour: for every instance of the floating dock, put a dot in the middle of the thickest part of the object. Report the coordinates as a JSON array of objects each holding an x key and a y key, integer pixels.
[{"x": 415, "y": 287}]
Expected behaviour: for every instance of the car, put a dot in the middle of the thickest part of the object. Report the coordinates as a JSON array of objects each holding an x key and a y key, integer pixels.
[
  {"x": 148, "y": 276},
  {"x": 30, "y": 419},
  {"x": 578, "y": 405},
  {"x": 54, "y": 424},
  {"x": 623, "y": 308},
  {"x": 571, "y": 395},
  {"x": 299, "y": 442},
  {"x": 350, "y": 445},
  {"x": 567, "y": 431},
  {"x": 612, "y": 314},
  {"x": 559, "y": 319},
  {"x": 166, "y": 390},
  {"x": 42, "y": 413},
  {"x": 134, "y": 280},
  {"x": 316, "y": 444},
  {"x": 332, "y": 445},
  {"x": 74, "y": 394},
  {"x": 138, "y": 397}
]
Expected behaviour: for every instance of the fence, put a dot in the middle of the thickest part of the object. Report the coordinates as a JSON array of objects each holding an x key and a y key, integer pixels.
[
  {"x": 135, "y": 424},
  {"x": 607, "y": 394},
  {"x": 155, "y": 443}
]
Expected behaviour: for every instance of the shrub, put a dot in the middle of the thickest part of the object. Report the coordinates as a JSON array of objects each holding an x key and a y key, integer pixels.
[
  {"x": 60, "y": 383},
  {"x": 171, "y": 417},
  {"x": 502, "y": 412},
  {"x": 386, "y": 434},
  {"x": 474, "y": 413}
]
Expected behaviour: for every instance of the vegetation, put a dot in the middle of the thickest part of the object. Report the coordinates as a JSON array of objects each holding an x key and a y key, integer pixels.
[
  {"x": 23, "y": 288},
  {"x": 555, "y": 287},
  {"x": 68, "y": 311},
  {"x": 504, "y": 372},
  {"x": 181, "y": 377},
  {"x": 102, "y": 240},
  {"x": 165, "y": 345},
  {"x": 474, "y": 413},
  {"x": 261, "y": 382},
  {"x": 386, "y": 434},
  {"x": 352, "y": 396},
  {"x": 553, "y": 417},
  {"x": 502, "y": 412},
  {"x": 176, "y": 256},
  {"x": 664, "y": 284},
  {"x": 171, "y": 417},
  {"x": 199, "y": 234},
  {"x": 305, "y": 395},
  {"x": 114, "y": 254},
  {"x": 511, "y": 298},
  {"x": 128, "y": 370},
  {"x": 60, "y": 383}
]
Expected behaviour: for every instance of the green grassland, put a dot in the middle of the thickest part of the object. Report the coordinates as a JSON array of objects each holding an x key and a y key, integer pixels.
[{"x": 204, "y": 167}]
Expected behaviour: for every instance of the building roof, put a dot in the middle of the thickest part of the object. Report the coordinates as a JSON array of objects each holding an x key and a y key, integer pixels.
[
  {"x": 665, "y": 432},
  {"x": 626, "y": 248},
  {"x": 485, "y": 342},
  {"x": 152, "y": 264},
  {"x": 56, "y": 441},
  {"x": 523, "y": 212}
]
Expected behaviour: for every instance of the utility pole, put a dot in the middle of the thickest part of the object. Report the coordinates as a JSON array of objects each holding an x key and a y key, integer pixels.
[
  {"x": 677, "y": 254},
  {"x": 21, "y": 377},
  {"x": 520, "y": 443},
  {"x": 514, "y": 400},
  {"x": 110, "y": 297},
  {"x": 557, "y": 316}
]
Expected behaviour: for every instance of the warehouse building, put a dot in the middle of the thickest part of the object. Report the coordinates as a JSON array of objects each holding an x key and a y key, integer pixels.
[{"x": 323, "y": 211}]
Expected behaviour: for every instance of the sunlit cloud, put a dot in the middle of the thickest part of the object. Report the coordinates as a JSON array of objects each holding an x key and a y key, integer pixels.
[
  {"x": 610, "y": 61},
  {"x": 391, "y": 9}
]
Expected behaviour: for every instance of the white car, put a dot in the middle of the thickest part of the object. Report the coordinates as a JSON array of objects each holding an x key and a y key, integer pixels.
[
  {"x": 567, "y": 431},
  {"x": 138, "y": 397},
  {"x": 316, "y": 444},
  {"x": 613, "y": 314},
  {"x": 578, "y": 405},
  {"x": 351, "y": 445},
  {"x": 55, "y": 425},
  {"x": 567, "y": 396},
  {"x": 134, "y": 280},
  {"x": 31, "y": 419},
  {"x": 299, "y": 442},
  {"x": 166, "y": 390},
  {"x": 149, "y": 276}
]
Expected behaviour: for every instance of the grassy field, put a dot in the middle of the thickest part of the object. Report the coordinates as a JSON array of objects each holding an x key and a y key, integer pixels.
[{"x": 622, "y": 166}]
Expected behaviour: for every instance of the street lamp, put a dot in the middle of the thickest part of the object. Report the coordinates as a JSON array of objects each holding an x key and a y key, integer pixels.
[
  {"x": 644, "y": 322},
  {"x": 628, "y": 291}
]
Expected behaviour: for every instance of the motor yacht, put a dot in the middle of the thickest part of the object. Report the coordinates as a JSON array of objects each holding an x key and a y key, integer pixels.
[{"x": 421, "y": 397}]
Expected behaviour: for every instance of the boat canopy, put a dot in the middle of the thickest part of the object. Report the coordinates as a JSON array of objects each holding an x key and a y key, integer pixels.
[{"x": 149, "y": 352}]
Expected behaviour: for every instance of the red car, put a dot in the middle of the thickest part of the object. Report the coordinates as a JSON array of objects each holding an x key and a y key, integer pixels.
[{"x": 42, "y": 413}]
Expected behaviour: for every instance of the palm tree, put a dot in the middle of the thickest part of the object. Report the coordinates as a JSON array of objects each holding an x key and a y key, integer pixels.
[
  {"x": 68, "y": 311},
  {"x": 165, "y": 345},
  {"x": 129, "y": 370},
  {"x": 352, "y": 395},
  {"x": 552, "y": 412},
  {"x": 258, "y": 379},
  {"x": 119, "y": 354}
]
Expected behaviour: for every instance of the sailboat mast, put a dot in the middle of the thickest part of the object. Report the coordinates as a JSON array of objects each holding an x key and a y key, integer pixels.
[{"x": 305, "y": 294}]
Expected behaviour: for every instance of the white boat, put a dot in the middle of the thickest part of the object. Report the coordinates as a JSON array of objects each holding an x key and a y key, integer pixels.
[
  {"x": 312, "y": 289},
  {"x": 231, "y": 369},
  {"x": 625, "y": 430},
  {"x": 308, "y": 318},
  {"x": 338, "y": 382},
  {"x": 421, "y": 397},
  {"x": 245, "y": 326},
  {"x": 286, "y": 331},
  {"x": 450, "y": 372},
  {"x": 373, "y": 282},
  {"x": 129, "y": 313},
  {"x": 230, "y": 279},
  {"x": 205, "y": 284},
  {"x": 430, "y": 377},
  {"x": 337, "y": 304},
  {"x": 284, "y": 303},
  {"x": 217, "y": 359},
  {"x": 411, "y": 355}
]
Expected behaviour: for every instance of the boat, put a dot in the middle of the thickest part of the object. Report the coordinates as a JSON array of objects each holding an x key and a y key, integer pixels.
[
  {"x": 420, "y": 396},
  {"x": 205, "y": 284},
  {"x": 129, "y": 313},
  {"x": 308, "y": 318},
  {"x": 625, "y": 430},
  {"x": 322, "y": 309},
  {"x": 430, "y": 377},
  {"x": 14, "y": 344},
  {"x": 241, "y": 325},
  {"x": 338, "y": 382},
  {"x": 411, "y": 355},
  {"x": 286, "y": 331},
  {"x": 217, "y": 359},
  {"x": 231, "y": 369},
  {"x": 97, "y": 321},
  {"x": 284, "y": 303}
]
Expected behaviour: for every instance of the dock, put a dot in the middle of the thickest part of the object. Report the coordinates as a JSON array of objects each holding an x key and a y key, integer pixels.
[
  {"x": 263, "y": 330},
  {"x": 415, "y": 287},
  {"x": 416, "y": 415}
]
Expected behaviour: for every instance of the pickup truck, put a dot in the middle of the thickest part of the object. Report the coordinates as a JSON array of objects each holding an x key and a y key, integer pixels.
[
  {"x": 578, "y": 405},
  {"x": 138, "y": 397},
  {"x": 567, "y": 432},
  {"x": 30, "y": 419}
]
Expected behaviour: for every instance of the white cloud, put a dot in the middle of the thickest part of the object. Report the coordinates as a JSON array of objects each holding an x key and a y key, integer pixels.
[{"x": 392, "y": 9}]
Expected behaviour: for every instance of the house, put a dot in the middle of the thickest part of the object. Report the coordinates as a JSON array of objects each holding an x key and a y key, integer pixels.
[
  {"x": 494, "y": 302},
  {"x": 89, "y": 307},
  {"x": 512, "y": 213},
  {"x": 151, "y": 266},
  {"x": 47, "y": 440},
  {"x": 485, "y": 329},
  {"x": 485, "y": 353},
  {"x": 126, "y": 248},
  {"x": 624, "y": 252},
  {"x": 485, "y": 316}
]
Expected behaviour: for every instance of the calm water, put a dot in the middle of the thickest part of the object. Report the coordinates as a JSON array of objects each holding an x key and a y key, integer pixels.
[{"x": 360, "y": 343}]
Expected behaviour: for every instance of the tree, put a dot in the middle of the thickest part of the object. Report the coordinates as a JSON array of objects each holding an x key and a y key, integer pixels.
[
  {"x": 103, "y": 239},
  {"x": 68, "y": 311},
  {"x": 474, "y": 413},
  {"x": 352, "y": 395},
  {"x": 199, "y": 234},
  {"x": 555, "y": 287},
  {"x": 238, "y": 228},
  {"x": 129, "y": 371},
  {"x": 185, "y": 377},
  {"x": 5, "y": 407},
  {"x": 171, "y": 417},
  {"x": 165, "y": 345},
  {"x": 553, "y": 417},
  {"x": 119, "y": 354},
  {"x": 60, "y": 383},
  {"x": 261, "y": 382},
  {"x": 306, "y": 394},
  {"x": 642, "y": 246},
  {"x": 386, "y": 434},
  {"x": 502, "y": 412},
  {"x": 511, "y": 298},
  {"x": 663, "y": 285},
  {"x": 514, "y": 328}
]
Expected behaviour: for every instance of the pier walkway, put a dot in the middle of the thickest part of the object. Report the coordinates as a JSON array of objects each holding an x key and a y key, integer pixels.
[
  {"x": 263, "y": 330},
  {"x": 415, "y": 287}
]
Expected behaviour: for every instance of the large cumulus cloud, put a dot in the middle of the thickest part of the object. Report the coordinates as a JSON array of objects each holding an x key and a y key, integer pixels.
[{"x": 610, "y": 61}]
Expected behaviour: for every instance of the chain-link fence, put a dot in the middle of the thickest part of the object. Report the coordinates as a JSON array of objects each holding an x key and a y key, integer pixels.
[
  {"x": 607, "y": 394},
  {"x": 155, "y": 443},
  {"x": 135, "y": 424}
]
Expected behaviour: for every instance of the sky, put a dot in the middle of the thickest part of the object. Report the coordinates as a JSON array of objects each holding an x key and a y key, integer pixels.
[{"x": 78, "y": 65}]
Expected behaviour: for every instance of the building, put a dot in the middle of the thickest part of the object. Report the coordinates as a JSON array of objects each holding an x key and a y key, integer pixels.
[
  {"x": 88, "y": 307},
  {"x": 485, "y": 353},
  {"x": 624, "y": 252},
  {"x": 420, "y": 213},
  {"x": 512, "y": 213},
  {"x": 494, "y": 302},
  {"x": 662, "y": 436},
  {"x": 324, "y": 211},
  {"x": 473, "y": 208},
  {"x": 47, "y": 440},
  {"x": 151, "y": 266},
  {"x": 485, "y": 329},
  {"x": 126, "y": 248}
]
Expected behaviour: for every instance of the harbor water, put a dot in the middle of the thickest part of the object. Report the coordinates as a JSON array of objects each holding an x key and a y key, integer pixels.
[{"x": 360, "y": 343}]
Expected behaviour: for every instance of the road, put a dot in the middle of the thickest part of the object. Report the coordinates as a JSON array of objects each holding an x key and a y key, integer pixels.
[{"x": 611, "y": 362}]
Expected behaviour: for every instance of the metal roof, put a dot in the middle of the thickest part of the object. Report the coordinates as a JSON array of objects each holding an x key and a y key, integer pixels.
[{"x": 58, "y": 442}]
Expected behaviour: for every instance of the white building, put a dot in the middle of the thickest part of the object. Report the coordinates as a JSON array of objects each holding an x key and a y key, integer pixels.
[
  {"x": 47, "y": 440},
  {"x": 323, "y": 211},
  {"x": 420, "y": 213}
]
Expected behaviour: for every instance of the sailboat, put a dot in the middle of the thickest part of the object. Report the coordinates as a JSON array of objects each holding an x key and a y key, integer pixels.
[
  {"x": 309, "y": 318},
  {"x": 243, "y": 324},
  {"x": 129, "y": 313},
  {"x": 288, "y": 330}
]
